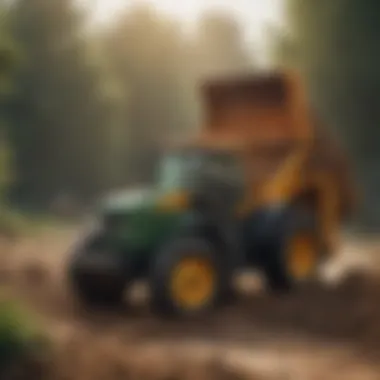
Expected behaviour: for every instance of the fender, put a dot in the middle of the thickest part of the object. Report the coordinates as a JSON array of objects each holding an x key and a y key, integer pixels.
[
  {"x": 193, "y": 222},
  {"x": 264, "y": 223},
  {"x": 198, "y": 223},
  {"x": 224, "y": 236},
  {"x": 261, "y": 229}
]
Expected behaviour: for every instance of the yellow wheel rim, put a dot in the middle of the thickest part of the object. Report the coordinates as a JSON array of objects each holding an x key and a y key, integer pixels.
[
  {"x": 302, "y": 256},
  {"x": 193, "y": 282}
]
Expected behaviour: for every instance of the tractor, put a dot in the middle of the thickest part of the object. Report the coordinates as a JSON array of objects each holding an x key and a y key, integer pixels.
[{"x": 262, "y": 185}]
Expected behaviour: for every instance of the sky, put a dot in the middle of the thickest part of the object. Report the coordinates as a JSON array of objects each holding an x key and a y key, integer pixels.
[{"x": 253, "y": 14}]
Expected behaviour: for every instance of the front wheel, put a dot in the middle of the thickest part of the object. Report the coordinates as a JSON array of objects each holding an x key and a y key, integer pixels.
[
  {"x": 93, "y": 291},
  {"x": 186, "y": 279},
  {"x": 95, "y": 276}
]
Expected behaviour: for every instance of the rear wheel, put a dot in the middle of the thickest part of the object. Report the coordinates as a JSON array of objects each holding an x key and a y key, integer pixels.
[
  {"x": 187, "y": 279},
  {"x": 294, "y": 256}
]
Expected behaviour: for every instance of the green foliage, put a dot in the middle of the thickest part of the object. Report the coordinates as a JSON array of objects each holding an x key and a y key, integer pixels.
[
  {"x": 11, "y": 56},
  {"x": 19, "y": 336},
  {"x": 13, "y": 223},
  {"x": 90, "y": 108},
  {"x": 9, "y": 60},
  {"x": 161, "y": 69},
  {"x": 61, "y": 115},
  {"x": 6, "y": 174},
  {"x": 146, "y": 53},
  {"x": 335, "y": 45}
]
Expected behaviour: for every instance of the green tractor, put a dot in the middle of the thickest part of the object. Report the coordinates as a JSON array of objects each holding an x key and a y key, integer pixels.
[
  {"x": 164, "y": 235},
  {"x": 232, "y": 199}
]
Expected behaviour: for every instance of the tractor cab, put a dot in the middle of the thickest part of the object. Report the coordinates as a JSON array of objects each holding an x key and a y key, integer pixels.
[{"x": 203, "y": 176}]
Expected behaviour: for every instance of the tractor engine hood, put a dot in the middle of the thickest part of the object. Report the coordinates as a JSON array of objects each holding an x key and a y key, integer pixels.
[
  {"x": 145, "y": 199},
  {"x": 128, "y": 200},
  {"x": 142, "y": 219}
]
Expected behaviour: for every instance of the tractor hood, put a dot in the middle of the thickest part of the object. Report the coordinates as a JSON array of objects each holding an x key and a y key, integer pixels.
[
  {"x": 141, "y": 219},
  {"x": 146, "y": 199},
  {"x": 129, "y": 200}
]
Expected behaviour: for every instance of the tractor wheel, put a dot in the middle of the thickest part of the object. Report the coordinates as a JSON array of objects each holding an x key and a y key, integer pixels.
[
  {"x": 187, "y": 279},
  {"x": 294, "y": 256},
  {"x": 94, "y": 288},
  {"x": 95, "y": 292}
]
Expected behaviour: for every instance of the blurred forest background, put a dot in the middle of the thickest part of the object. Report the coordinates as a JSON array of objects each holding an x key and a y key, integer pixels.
[{"x": 84, "y": 108}]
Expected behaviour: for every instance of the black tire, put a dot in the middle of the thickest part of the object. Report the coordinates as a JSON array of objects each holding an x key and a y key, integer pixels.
[
  {"x": 279, "y": 280},
  {"x": 93, "y": 294},
  {"x": 93, "y": 290},
  {"x": 162, "y": 268}
]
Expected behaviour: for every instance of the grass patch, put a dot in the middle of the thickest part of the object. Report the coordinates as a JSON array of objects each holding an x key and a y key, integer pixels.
[
  {"x": 21, "y": 341},
  {"x": 14, "y": 223}
]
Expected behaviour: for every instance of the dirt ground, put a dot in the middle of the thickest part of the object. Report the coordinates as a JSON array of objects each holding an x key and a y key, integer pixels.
[{"x": 329, "y": 330}]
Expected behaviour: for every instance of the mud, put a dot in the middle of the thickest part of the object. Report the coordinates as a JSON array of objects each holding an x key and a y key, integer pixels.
[{"x": 327, "y": 330}]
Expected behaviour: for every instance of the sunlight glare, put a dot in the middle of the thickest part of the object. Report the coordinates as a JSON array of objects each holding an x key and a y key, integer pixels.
[{"x": 253, "y": 13}]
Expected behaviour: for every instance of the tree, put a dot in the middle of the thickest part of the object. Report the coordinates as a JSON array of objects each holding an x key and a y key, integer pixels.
[
  {"x": 338, "y": 52},
  {"x": 219, "y": 45},
  {"x": 282, "y": 47},
  {"x": 147, "y": 53},
  {"x": 9, "y": 59},
  {"x": 61, "y": 115}
]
